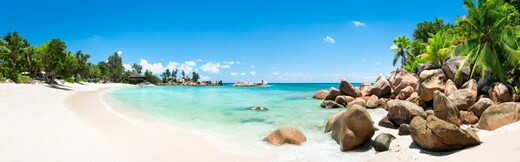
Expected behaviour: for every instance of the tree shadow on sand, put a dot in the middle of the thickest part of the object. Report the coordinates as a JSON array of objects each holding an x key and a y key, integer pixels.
[{"x": 58, "y": 86}]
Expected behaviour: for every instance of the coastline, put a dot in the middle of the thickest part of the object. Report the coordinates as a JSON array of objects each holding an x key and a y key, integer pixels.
[{"x": 71, "y": 122}]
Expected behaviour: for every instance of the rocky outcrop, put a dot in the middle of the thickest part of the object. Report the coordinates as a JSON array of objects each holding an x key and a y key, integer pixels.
[
  {"x": 344, "y": 100},
  {"x": 381, "y": 87},
  {"x": 497, "y": 116},
  {"x": 401, "y": 79},
  {"x": 445, "y": 109},
  {"x": 333, "y": 93},
  {"x": 402, "y": 112},
  {"x": 500, "y": 92},
  {"x": 365, "y": 88},
  {"x": 382, "y": 142},
  {"x": 373, "y": 102},
  {"x": 472, "y": 86},
  {"x": 321, "y": 94},
  {"x": 450, "y": 68},
  {"x": 431, "y": 81},
  {"x": 450, "y": 87},
  {"x": 346, "y": 88},
  {"x": 328, "y": 104},
  {"x": 285, "y": 135},
  {"x": 358, "y": 101},
  {"x": 352, "y": 127},
  {"x": 480, "y": 106},
  {"x": 468, "y": 117},
  {"x": 404, "y": 129},
  {"x": 406, "y": 93},
  {"x": 463, "y": 99},
  {"x": 414, "y": 98},
  {"x": 435, "y": 134}
]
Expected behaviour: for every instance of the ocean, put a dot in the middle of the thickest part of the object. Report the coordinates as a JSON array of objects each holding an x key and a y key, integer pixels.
[{"x": 222, "y": 114}]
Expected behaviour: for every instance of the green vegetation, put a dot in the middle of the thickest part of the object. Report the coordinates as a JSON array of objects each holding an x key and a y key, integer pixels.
[
  {"x": 487, "y": 36},
  {"x": 22, "y": 62}
]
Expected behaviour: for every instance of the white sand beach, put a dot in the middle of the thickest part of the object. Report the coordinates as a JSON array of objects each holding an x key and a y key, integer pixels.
[{"x": 70, "y": 123}]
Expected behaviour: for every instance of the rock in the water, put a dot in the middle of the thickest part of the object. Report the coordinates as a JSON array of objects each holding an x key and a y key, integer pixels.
[
  {"x": 373, "y": 102},
  {"x": 381, "y": 87},
  {"x": 445, "y": 109},
  {"x": 344, "y": 100},
  {"x": 401, "y": 79},
  {"x": 388, "y": 123},
  {"x": 404, "y": 129},
  {"x": 406, "y": 93},
  {"x": 321, "y": 94},
  {"x": 450, "y": 88},
  {"x": 258, "y": 108},
  {"x": 333, "y": 93},
  {"x": 450, "y": 68},
  {"x": 463, "y": 99},
  {"x": 328, "y": 104},
  {"x": 472, "y": 86},
  {"x": 330, "y": 122},
  {"x": 352, "y": 127},
  {"x": 365, "y": 88},
  {"x": 480, "y": 106},
  {"x": 358, "y": 101},
  {"x": 382, "y": 142},
  {"x": 500, "y": 92},
  {"x": 435, "y": 134},
  {"x": 346, "y": 88},
  {"x": 431, "y": 81},
  {"x": 402, "y": 112},
  {"x": 497, "y": 116},
  {"x": 468, "y": 117},
  {"x": 414, "y": 98},
  {"x": 285, "y": 135}
]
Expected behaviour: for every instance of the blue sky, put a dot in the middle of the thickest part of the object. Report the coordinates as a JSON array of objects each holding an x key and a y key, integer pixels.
[{"x": 233, "y": 40}]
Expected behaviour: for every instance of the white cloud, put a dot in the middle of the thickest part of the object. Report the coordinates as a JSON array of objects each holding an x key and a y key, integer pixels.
[
  {"x": 172, "y": 65},
  {"x": 127, "y": 67},
  {"x": 190, "y": 63},
  {"x": 225, "y": 66},
  {"x": 210, "y": 67},
  {"x": 204, "y": 78},
  {"x": 199, "y": 60},
  {"x": 242, "y": 74},
  {"x": 233, "y": 73},
  {"x": 358, "y": 23},
  {"x": 253, "y": 73},
  {"x": 230, "y": 62},
  {"x": 329, "y": 39},
  {"x": 393, "y": 47},
  {"x": 119, "y": 52},
  {"x": 275, "y": 73},
  {"x": 156, "y": 68}
]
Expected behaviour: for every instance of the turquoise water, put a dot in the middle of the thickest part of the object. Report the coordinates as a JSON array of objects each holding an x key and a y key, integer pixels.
[{"x": 222, "y": 113}]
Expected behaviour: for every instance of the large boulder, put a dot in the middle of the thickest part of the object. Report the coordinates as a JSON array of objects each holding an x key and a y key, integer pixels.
[
  {"x": 343, "y": 100},
  {"x": 346, "y": 88},
  {"x": 373, "y": 102},
  {"x": 388, "y": 123},
  {"x": 330, "y": 122},
  {"x": 472, "y": 86},
  {"x": 406, "y": 92},
  {"x": 285, "y": 135},
  {"x": 414, "y": 98},
  {"x": 402, "y": 112},
  {"x": 352, "y": 127},
  {"x": 500, "y": 92},
  {"x": 382, "y": 142},
  {"x": 463, "y": 99},
  {"x": 445, "y": 109},
  {"x": 480, "y": 106},
  {"x": 422, "y": 67},
  {"x": 328, "y": 104},
  {"x": 401, "y": 79},
  {"x": 358, "y": 101},
  {"x": 365, "y": 88},
  {"x": 333, "y": 93},
  {"x": 468, "y": 117},
  {"x": 404, "y": 129},
  {"x": 450, "y": 68},
  {"x": 381, "y": 87},
  {"x": 431, "y": 81},
  {"x": 435, "y": 134},
  {"x": 497, "y": 116},
  {"x": 450, "y": 87},
  {"x": 321, "y": 94}
]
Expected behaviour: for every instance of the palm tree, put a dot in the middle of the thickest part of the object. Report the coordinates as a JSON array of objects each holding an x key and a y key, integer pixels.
[
  {"x": 438, "y": 49},
  {"x": 402, "y": 46},
  {"x": 491, "y": 49}
]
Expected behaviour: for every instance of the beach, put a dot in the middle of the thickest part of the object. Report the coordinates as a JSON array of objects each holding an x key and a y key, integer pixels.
[{"x": 71, "y": 123}]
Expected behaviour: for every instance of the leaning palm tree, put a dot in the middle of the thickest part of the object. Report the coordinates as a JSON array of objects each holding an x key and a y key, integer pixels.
[
  {"x": 439, "y": 48},
  {"x": 491, "y": 48},
  {"x": 402, "y": 46}
]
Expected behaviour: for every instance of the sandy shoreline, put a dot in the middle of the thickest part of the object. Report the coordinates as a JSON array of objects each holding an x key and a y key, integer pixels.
[{"x": 70, "y": 123}]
